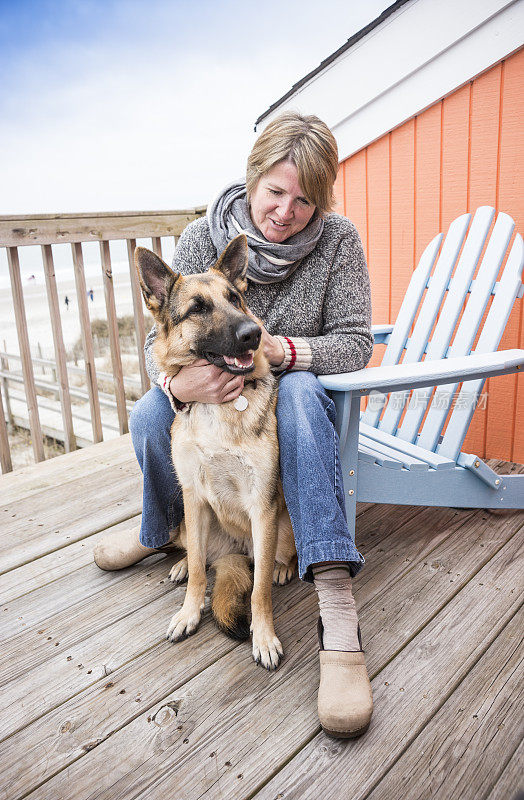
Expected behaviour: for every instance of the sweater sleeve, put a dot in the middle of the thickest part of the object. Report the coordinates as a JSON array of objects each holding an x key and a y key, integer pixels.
[
  {"x": 192, "y": 254},
  {"x": 151, "y": 365},
  {"x": 346, "y": 341}
]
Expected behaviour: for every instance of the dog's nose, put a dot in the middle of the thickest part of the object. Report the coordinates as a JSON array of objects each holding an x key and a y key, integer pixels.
[{"x": 248, "y": 334}]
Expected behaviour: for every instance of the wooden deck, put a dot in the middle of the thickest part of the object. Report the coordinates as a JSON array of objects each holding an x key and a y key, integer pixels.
[{"x": 97, "y": 704}]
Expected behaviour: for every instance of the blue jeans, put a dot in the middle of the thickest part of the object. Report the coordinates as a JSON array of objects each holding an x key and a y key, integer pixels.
[{"x": 309, "y": 466}]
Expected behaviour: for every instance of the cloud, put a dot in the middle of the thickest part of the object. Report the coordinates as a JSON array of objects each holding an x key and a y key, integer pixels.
[{"x": 133, "y": 105}]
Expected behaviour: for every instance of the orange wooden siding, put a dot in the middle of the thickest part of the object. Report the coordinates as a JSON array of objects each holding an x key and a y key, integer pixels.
[{"x": 465, "y": 151}]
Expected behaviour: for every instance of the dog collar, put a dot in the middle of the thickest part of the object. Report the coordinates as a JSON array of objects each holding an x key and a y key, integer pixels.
[
  {"x": 241, "y": 403},
  {"x": 180, "y": 406}
]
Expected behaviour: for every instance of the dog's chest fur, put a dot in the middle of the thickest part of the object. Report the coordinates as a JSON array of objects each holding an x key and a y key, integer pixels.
[{"x": 217, "y": 456}]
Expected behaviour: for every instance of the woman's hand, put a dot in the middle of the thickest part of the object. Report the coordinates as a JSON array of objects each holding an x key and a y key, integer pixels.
[
  {"x": 202, "y": 382},
  {"x": 272, "y": 347}
]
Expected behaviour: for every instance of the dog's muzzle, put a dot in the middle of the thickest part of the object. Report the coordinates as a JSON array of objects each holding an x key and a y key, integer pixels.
[{"x": 239, "y": 357}]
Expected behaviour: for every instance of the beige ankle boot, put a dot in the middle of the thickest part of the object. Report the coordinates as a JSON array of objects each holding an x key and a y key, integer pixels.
[
  {"x": 345, "y": 702},
  {"x": 122, "y": 549}
]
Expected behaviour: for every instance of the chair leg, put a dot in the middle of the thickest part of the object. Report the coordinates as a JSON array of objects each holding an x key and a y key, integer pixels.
[{"x": 348, "y": 420}]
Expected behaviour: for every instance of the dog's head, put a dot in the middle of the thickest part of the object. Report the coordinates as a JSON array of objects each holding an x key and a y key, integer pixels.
[{"x": 203, "y": 315}]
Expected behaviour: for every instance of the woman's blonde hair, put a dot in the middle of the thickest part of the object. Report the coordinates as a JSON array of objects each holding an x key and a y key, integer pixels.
[{"x": 309, "y": 144}]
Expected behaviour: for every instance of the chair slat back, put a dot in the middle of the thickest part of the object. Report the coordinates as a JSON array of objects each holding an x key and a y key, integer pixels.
[
  {"x": 406, "y": 315},
  {"x": 468, "y": 328},
  {"x": 489, "y": 340},
  {"x": 450, "y": 291},
  {"x": 428, "y": 313},
  {"x": 449, "y": 314}
]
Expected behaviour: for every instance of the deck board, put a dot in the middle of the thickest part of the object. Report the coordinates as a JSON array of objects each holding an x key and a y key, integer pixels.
[
  {"x": 462, "y": 748},
  {"x": 40, "y": 525},
  {"x": 56, "y": 564},
  {"x": 406, "y": 698},
  {"x": 97, "y": 704},
  {"x": 510, "y": 784},
  {"x": 24, "y": 482}
]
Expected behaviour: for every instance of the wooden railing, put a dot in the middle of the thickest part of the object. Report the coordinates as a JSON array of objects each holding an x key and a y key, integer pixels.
[{"x": 75, "y": 229}]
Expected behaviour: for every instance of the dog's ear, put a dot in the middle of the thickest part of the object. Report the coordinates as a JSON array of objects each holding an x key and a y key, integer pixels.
[
  {"x": 233, "y": 262},
  {"x": 156, "y": 279}
]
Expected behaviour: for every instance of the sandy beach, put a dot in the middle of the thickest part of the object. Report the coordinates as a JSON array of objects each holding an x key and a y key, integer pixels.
[{"x": 37, "y": 310}]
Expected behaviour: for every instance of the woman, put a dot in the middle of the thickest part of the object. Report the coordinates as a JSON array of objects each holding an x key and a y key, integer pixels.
[{"x": 308, "y": 281}]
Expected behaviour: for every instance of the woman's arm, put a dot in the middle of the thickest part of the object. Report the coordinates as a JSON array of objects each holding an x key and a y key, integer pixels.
[
  {"x": 151, "y": 365},
  {"x": 346, "y": 342}
]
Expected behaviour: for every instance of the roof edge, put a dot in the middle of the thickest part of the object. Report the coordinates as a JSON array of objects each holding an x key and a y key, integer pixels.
[{"x": 329, "y": 60}]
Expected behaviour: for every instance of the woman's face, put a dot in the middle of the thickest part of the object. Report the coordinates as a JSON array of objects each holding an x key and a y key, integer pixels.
[{"x": 278, "y": 208}]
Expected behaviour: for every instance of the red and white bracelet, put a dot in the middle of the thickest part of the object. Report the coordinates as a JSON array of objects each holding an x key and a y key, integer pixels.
[{"x": 293, "y": 354}]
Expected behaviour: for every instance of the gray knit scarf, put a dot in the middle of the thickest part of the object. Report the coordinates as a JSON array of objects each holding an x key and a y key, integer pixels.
[{"x": 269, "y": 262}]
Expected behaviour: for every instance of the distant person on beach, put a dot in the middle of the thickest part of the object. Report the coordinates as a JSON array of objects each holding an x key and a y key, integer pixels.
[
  {"x": 90, "y": 294},
  {"x": 66, "y": 301}
]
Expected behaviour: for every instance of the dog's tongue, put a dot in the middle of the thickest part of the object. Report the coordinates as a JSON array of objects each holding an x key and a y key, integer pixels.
[{"x": 244, "y": 360}]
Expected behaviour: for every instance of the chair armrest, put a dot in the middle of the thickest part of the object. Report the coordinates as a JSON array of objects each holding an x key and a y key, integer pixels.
[
  {"x": 381, "y": 333},
  {"x": 425, "y": 373}
]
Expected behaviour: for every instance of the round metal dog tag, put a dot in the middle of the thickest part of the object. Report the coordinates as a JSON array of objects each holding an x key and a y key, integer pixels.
[{"x": 241, "y": 403}]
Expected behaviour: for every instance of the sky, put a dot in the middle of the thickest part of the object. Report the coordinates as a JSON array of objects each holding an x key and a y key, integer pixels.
[{"x": 116, "y": 105}]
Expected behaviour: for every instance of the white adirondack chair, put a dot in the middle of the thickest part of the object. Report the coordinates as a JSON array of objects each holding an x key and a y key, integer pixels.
[{"x": 414, "y": 463}]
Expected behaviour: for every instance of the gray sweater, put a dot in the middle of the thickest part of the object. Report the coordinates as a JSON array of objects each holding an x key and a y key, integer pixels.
[{"x": 323, "y": 307}]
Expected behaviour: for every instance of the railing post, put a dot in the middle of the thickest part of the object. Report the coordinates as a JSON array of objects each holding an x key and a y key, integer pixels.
[
  {"x": 157, "y": 245},
  {"x": 87, "y": 341},
  {"x": 41, "y": 357},
  {"x": 25, "y": 352},
  {"x": 5, "y": 453},
  {"x": 58, "y": 341},
  {"x": 138, "y": 312},
  {"x": 114, "y": 342},
  {"x": 4, "y": 363}
]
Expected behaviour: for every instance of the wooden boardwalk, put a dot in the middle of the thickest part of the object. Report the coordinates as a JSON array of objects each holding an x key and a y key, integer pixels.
[{"x": 97, "y": 704}]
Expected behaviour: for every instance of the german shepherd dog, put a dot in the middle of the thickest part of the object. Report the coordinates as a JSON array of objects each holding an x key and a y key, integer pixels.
[{"x": 225, "y": 455}]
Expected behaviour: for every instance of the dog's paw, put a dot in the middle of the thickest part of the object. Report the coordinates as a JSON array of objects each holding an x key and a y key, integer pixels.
[
  {"x": 182, "y": 625},
  {"x": 267, "y": 651},
  {"x": 282, "y": 573},
  {"x": 178, "y": 573}
]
